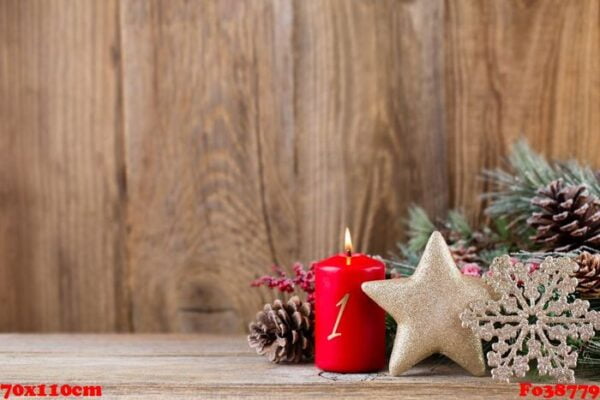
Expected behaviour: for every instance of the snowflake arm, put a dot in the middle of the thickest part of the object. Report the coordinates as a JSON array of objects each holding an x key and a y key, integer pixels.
[{"x": 532, "y": 319}]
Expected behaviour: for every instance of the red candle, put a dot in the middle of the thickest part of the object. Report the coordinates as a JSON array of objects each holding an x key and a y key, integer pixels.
[{"x": 349, "y": 327}]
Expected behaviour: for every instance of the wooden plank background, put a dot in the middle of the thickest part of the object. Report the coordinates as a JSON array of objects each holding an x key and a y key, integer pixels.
[{"x": 155, "y": 156}]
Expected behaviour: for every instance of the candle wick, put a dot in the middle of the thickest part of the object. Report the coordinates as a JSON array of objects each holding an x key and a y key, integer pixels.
[{"x": 348, "y": 257}]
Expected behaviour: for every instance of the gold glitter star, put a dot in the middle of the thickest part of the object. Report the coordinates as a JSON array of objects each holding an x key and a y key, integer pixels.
[{"x": 427, "y": 306}]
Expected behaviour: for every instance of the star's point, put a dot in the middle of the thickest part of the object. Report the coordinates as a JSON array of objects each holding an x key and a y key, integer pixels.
[{"x": 426, "y": 307}]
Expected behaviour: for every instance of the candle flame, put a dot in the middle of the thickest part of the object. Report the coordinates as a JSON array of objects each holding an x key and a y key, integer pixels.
[{"x": 347, "y": 241}]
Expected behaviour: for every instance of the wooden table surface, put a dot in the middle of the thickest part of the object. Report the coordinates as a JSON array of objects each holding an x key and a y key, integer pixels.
[{"x": 204, "y": 366}]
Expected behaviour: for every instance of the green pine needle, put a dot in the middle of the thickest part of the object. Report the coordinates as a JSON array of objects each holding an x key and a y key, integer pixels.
[
  {"x": 457, "y": 222},
  {"x": 390, "y": 333},
  {"x": 588, "y": 364},
  {"x": 405, "y": 262},
  {"x": 529, "y": 171},
  {"x": 420, "y": 228},
  {"x": 509, "y": 208}
]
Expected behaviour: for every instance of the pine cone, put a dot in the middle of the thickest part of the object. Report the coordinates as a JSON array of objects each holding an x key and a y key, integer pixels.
[
  {"x": 588, "y": 275},
  {"x": 284, "y": 331},
  {"x": 463, "y": 254},
  {"x": 569, "y": 217}
]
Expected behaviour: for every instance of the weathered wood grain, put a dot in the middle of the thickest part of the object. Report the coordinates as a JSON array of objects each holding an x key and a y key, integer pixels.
[
  {"x": 61, "y": 168},
  {"x": 368, "y": 112},
  {"x": 209, "y": 145},
  {"x": 156, "y": 156},
  {"x": 201, "y": 366},
  {"x": 257, "y": 130},
  {"x": 519, "y": 68}
]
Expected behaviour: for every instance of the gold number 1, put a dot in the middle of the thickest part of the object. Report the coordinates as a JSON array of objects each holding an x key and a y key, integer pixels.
[{"x": 342, "y": 304}]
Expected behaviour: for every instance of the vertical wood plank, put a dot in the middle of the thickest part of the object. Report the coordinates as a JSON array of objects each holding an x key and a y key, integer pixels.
[
  {"x": 254, "y": 132},
  {"x": 257, "y": 130},
  {"x": 61, "y": 190},
  {"x": 369, "y": 117},
  {"x": 519, "y": 68},
  {"x": 209, "y": 143}
]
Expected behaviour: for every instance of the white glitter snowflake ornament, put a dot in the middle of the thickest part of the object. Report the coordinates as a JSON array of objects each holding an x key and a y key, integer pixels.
[{"x": 532, "y": 319}]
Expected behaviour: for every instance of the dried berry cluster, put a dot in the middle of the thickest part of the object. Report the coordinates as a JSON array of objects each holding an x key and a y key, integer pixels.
[{"x": 303, "y": 279}]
